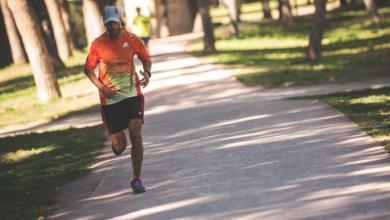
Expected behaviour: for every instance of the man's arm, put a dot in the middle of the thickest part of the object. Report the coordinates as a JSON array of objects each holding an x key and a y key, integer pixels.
[
  {"x": 147, "y": 65},
  {"x": 91, "y": 76}
]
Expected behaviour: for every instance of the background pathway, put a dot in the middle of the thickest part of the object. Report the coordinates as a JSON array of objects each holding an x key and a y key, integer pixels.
[{"x": 217, "y": 150}]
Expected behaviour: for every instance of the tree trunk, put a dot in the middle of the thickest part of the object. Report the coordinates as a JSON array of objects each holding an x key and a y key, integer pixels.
[
  {"x": 285, "y": 11},
  {"x": 17, "y": 50},
  {"x": 353, "y": 2},
  {"x": 239, "y": 3},
  {"x": 266, "y": 9},
  {"x": 51, "y": 45},
  {"x": 343, "y": 3},
  {"x": 41, "y": 65},
  {"x": 208, "y": 27},
  {"x": 159, "y": 16},
  {"x": 372, "y": 10},
  {"x": 233, "y": 8},
  {"x": 58, "y": 26},
  {"x": 180, "y": 18},
  {"x": 92, "y": 20},
  {"x": 64, "y": 9},
  {"x": 317, "y": 31}
]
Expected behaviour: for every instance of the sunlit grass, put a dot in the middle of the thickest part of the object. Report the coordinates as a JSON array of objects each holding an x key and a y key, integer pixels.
[
  {"x": 35, "y": 167},
  {"x": 19, "y": 101},
  {"x": 253, "y": 12},
  {"x": 370, "y": 99},
  {"x": 370, "y": 109},
  {"x": 14, "y": 71},
  {"x": 20, "y": 155},
  {"x": 353, "y": 50}
]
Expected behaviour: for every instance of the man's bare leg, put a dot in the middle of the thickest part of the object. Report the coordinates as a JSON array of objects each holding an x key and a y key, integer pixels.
[
  {"x": 118, "y": 142},
  {"x": 137, "y": 148}
]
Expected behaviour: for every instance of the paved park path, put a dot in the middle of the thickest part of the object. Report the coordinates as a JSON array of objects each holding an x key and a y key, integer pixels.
[{"x": 217, "y": 150}]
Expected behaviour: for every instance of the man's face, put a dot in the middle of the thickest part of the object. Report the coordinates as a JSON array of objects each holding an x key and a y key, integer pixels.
[{"x": 114, "y": 29}]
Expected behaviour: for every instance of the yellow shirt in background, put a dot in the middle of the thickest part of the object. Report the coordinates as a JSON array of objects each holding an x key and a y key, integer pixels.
[{"x": 142, "y": 23}]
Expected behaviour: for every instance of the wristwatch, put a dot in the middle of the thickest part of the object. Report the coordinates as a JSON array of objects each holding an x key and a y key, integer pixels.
[{"x": 149, "y": 73}]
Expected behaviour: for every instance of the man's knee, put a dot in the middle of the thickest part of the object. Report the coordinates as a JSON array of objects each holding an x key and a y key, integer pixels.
[
  {"x": 135, "y": 130},
  {"x": 134, "y": 133},
  {"x": 118, "y": 147},
  {"x": 118, "y": 143}
]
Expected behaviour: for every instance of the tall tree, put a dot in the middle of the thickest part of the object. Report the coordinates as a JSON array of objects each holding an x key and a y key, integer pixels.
[
  {"x": 49, "y": 40},
  {"x": 266, "y": 9},
  {"x": 208, "y": 27},
  {"x": 343, "y": 3},
  {"x": 285, "y": 11},
  {"x": 60, "y": 34},
  {"x": 92, "y": 20},
  {"x": 372, "y": 10},
  {"x": 353, "y": 2},
  {"x": 234, "y": 14},
  {"x": 180, "y": 15},
  {"x": 317, "y": 31},
  {"x": 17, "y": 50},
  {"x": 42, "y": 67},
  {"x": 65, "y": 15},
  {"x": 162, "y": 29}
]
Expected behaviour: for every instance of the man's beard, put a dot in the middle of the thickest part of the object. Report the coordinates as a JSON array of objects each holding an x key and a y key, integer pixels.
[{"x": 114, "y": 33}]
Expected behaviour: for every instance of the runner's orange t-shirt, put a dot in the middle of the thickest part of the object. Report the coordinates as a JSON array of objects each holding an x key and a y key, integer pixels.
[{"x": 116, "y": 66}]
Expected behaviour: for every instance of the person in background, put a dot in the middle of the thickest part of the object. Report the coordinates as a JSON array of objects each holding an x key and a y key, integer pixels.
[{"x": 142, "y": 25}]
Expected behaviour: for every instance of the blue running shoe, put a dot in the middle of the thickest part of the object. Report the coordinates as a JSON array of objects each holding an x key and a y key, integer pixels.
[{"x": 137, "y": 186}]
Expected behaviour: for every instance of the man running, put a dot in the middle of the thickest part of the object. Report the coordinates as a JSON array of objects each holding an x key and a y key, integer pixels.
[{"x": 121, "y": 98}]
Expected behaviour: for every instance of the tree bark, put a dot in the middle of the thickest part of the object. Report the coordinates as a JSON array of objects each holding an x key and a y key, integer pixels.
[
  {"x": 180, "y": 17},
  {"x": 60, "y": 34},
  {"x": 162, "y": 19},
  {"x": 353, "y": 2},
  {"x": 343, "y": 3},
  {"x": 372, "y": 10},
  {"x": 42, "y": 67},
  {"x": 233, "y": 8},
  {"x": 266, "y": 9},
  {"x": 92, "y": 20},
  {"x": 317, "y": 31},
  {"x": 17, "y": 50},
  {"x": 208, "y": 27},
  {"x": 65, "y": 16},
  {"x": 51, "y": 45},
  {"x": 285, "y": 11}
]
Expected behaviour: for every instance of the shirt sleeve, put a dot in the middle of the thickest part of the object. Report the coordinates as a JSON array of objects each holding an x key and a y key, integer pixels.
[
  {"x": 92, "y": 58},
  {"x": 142, "y": 52}
]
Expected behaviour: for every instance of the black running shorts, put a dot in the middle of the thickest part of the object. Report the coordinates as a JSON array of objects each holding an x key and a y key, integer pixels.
[{"x": 116, "y": 116}]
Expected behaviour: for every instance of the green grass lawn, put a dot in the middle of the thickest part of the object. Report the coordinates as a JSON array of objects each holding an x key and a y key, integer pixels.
[
  {"x": 34, "y": 167},
  {"x": 370, "y": 109},
  {"x": 272, "y": 54},
  {"x": 18, "y": 98},
  {"x": 253, "y": 12}
]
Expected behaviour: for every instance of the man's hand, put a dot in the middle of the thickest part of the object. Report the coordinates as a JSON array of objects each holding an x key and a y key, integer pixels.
[
  {"x": 145, "y": 81},
  {"x": 107, "y": 91}
]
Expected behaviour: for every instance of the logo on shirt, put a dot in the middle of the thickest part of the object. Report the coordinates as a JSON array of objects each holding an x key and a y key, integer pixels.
[{"x": 125, "y": 44}]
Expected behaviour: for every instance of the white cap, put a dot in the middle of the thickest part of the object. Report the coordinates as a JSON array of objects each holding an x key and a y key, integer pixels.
[{"x": 111, "y": 13}]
